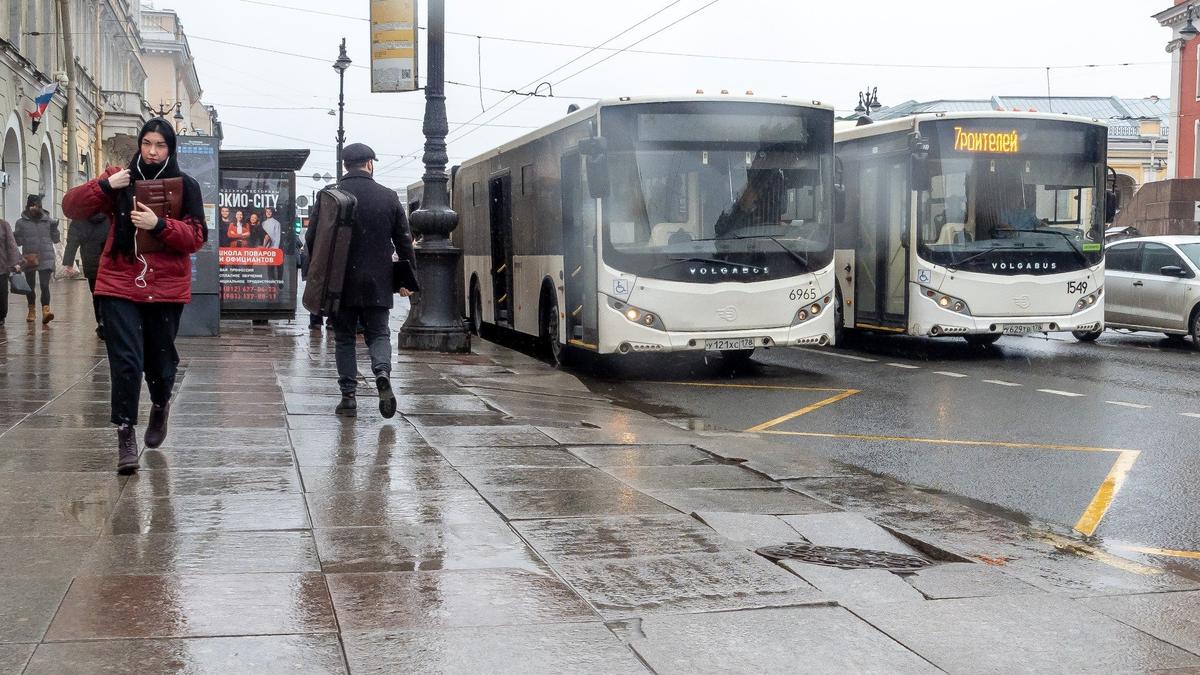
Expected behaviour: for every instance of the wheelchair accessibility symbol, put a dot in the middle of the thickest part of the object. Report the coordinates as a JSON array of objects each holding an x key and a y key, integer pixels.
[
  {"x": 923, "y": 276},
  {"x": 620, "y": 287}
]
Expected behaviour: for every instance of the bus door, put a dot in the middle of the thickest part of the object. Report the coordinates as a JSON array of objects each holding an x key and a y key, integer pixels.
[
  {"x": 881, "y": 280},
  {"x": 579, "y": 255},
  {"x": 500, "y": 221}
]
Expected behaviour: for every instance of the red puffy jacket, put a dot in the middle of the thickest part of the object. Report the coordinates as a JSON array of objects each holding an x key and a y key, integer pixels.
[{"x": 168, "y": 272}]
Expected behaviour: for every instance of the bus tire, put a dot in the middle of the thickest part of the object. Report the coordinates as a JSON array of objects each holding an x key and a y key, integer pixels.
[
  {"x": 474, "y": 308},
  {"x": 982, "y": 339},
  {"x": 548, "y": 325},
  {"x": 1087, "y": 335}
]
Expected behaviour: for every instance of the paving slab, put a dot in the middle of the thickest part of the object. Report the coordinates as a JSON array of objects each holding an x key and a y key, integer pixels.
[
  {"x": 207, "y": 514},
  {"x": 102, "y": 460},
  {"x": 453, "y": 598},
  {"x": 365, "y": 455},
  {"x": 675, "y": 584},
  {"x": 618, "y": 537},
  {"x": 967, "y": 580},
  {"x": 269, "y": 655},
  {"x": 688, "y": 477},
  {"x": 352, "y": 435},
  {"x": 424, "y": 547},
  {"x": 753, "y": 530},
  {"x": 553, "y": 456},
  {"x": 394, "y": 477},
  {"x": 27, "y": 604},
  {"x": 148, "y": 606},
  {"x": 91, "y": 486},
  {"x": 658, "y": 433},
  {"x": 551, "y": 649},
  {"x": 204, "y": 553},
  {"x": 529, "y": 504},
  {"x": 211, "y": 458},
  {"x": 13, "y": 657},
  {"x": 386, "y": 509},
  {"x": 1038, "y": 633},
  {"x": 529, "y": 478},
  {"x": 641, "y": 455},
  {"x": 850, "y": 530},
  {"x": 56, "y": 517},
  {"x": 212, "y": 481},
  {"x": 1170, "y": 617},
  {"x": 42, "y": 556},
  {"x": 800, "y": 639},
  {"x": 776, "y": 501},
  {"x": 468, "y": 437},
  {"x": 854, "y": 587}
]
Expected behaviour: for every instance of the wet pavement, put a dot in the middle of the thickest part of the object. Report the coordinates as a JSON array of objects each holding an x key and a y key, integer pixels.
[{"x": 506, "y": 520}]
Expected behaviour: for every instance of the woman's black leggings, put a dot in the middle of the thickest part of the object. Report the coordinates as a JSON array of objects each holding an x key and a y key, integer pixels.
[{"x": 33, "y": 277}]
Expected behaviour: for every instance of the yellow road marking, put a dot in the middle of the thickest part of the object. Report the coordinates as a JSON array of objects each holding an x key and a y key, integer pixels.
[
  {"x": 948, "y": 441},
  {"x": 803, "y": 411},
  {"x": 1082, "y": 549},
  {"x": 1161, "y": 551},
  {"x": 746, "y": 386},
  {"x": 1103, "y": 498}
]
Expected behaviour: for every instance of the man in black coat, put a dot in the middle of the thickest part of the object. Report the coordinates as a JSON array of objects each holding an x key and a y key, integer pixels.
[
  {"x": 380, "y": 229},
  {"x": 87, "y": 237}
]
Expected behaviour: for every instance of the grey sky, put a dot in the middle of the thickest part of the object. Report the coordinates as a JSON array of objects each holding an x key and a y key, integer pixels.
[{"x": 967, "y": 48}]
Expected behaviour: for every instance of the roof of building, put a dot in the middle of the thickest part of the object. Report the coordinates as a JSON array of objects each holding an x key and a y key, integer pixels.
[{"x": 1121, "y": 114}]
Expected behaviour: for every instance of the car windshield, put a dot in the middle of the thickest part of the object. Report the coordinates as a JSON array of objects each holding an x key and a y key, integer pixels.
[
  {"x": 748, "y": 191},
  {"x": 1192, "y": 251},
  {"x": 1008, "y": 190}
]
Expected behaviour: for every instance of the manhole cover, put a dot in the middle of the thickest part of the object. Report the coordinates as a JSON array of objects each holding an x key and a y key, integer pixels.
[{"x": 845, "y": 558}]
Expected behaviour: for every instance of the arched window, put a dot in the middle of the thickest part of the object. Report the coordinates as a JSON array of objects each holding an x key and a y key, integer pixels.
[
  {"x": 10, "y": 164},
  {"x": 46, "y": 183}
]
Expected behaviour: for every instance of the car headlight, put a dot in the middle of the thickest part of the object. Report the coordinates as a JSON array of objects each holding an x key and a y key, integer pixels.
[
  {"x": 811, "y": 311},
  {"x": 637, "y": 315},
  {"x": 946, "y": 301},
  {"x": 1089, "y": 299}
]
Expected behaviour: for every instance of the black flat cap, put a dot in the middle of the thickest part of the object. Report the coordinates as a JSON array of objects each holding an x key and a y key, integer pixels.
[{"x": 357, "y": 152}]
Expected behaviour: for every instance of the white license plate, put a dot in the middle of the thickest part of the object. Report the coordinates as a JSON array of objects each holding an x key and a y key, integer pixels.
[
  {"x": 1022, "y": 328},
  {"x": 723, "y": 344}
]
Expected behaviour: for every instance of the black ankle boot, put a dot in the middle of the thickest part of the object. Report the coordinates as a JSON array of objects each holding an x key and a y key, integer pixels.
[
  {"x": 156, "y": 430},
  {"x": 347, "y": 407},
  {"x": 387, "y": 399},
  {"x": 127, "y": 450}
]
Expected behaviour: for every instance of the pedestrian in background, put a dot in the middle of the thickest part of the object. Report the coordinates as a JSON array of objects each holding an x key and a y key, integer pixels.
[
  {"x": 145, "y": 279},
  {"x": 87, "y": 237},
  {"x": 10, "y": 263},
  {"x": 380, "y": 229},
  {"x": 37, "y": 233}
]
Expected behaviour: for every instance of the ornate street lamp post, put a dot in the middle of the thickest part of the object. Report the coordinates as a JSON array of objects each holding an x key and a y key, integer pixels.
[
  {"x": 434, "y": 323},
  {"x": 342, "y": 63}
]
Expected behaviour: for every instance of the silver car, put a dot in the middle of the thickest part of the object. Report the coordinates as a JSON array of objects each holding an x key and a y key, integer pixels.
[{"x": 1153, "y": 283}]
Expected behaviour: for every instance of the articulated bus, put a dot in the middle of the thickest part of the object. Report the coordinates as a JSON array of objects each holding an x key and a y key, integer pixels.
[
  {"x": 974, "y": 225},
  {"x": 656, "y": 225}
]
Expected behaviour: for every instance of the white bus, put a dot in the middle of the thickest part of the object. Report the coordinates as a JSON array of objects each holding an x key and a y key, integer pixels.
[
  {"x": 656, "y": 225},
  {"x": 974, "y": 225}
]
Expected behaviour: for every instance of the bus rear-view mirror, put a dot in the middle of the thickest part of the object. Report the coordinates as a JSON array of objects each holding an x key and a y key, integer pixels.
[
  {"x": 1110, "y": 206},
  {"x": 839, "y": 203}
]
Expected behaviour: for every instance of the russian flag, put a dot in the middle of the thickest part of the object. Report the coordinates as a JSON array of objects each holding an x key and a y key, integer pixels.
[{"x": 42, "y": 102}]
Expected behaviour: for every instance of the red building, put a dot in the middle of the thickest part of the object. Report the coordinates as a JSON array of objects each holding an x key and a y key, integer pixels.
[{"x": 1185, "y": 104}]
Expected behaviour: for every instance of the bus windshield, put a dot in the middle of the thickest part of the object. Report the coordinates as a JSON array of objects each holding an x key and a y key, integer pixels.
[
  {"x": 999, "y": 192},
  {"x": 736, "y": 195}
]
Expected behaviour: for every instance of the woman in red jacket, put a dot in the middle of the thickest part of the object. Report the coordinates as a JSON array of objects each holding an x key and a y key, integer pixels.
[{"x": 143, "y": 292}]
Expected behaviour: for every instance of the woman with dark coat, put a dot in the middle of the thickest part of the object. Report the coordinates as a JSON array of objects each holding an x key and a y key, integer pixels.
[
  {"x": 87, "y": 237},
  {"x": 37, "y": 233},
  {"x": 10, "y": 263},
  {"x": 142, "y": 292}
]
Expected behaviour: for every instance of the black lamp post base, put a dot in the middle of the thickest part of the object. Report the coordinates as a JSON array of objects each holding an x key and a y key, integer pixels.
[
  {"x": 434, "y": 324},
  {"x": 449, "y": 341}
]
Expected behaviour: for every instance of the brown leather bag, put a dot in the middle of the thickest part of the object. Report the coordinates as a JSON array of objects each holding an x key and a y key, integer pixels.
[{"x": 165, "y": 197}]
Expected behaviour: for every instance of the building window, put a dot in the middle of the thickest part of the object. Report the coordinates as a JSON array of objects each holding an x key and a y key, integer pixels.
[{"x": 475, "y": 193}]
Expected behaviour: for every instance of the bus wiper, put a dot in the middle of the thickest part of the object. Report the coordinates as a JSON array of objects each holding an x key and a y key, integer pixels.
[
  {"x": 953, "y": 267},
  {"x": 1070, "y": 241},
  {"x": 803, "y": 260}
]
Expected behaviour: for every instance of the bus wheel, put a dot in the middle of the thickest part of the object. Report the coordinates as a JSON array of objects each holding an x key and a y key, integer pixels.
[
  {"x": 736, "y": 357},
  {"x": 982, "y": 339},
  {"x": 1086, "y": 335},
  {"x": 549, "y": 327},
  {"x": 475, "y": 309}
]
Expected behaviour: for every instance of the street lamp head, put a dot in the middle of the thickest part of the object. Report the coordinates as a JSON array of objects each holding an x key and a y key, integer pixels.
[
  {"x": 1189, "y": 30},
  {"x": 178, "y": 116},
  {"x": 343, "y": 62}
]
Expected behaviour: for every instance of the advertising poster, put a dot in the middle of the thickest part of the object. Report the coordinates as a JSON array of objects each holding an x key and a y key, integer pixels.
[
  {"x": 393, "y": 45},
  {"x": 257, "y": 244}
]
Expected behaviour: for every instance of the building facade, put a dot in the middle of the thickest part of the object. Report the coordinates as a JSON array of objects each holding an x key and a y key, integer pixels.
[
  {"x": 1140, "y": 133},
  {"x": 1184, "y": 159}
]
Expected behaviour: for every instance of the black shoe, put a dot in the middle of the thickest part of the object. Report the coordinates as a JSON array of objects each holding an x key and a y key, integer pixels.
[
  {"x": 347, "y": 407},
  {"x": 127, "y": 450},
  {"x": 387, "y": 400},
  {"x": 156, "y": 430},
  {"x": 100, "y": 332}
]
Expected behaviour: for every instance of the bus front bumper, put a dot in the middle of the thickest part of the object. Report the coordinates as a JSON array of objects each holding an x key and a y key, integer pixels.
[
  {"x": 621, "y": 336},
  {"x": 938, "y": 322}
]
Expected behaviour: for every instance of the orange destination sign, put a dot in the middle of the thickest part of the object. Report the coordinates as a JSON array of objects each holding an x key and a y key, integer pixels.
[{"x": 1002, "y": 142}]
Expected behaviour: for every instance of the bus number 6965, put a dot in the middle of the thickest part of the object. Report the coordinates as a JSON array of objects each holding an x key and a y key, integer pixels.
[{"x": 809, "y": 293}]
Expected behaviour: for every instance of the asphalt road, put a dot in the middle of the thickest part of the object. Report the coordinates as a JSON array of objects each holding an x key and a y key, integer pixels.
[{"x": 1101, "y": 437}]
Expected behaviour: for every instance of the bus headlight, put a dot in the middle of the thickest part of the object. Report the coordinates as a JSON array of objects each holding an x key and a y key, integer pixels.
[
  {"x": 946, "y": 301},
  {"x": 811, "y": 311},
  {"x": 1089, "y": 300},
  {"x": 637, "y": 315}
]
